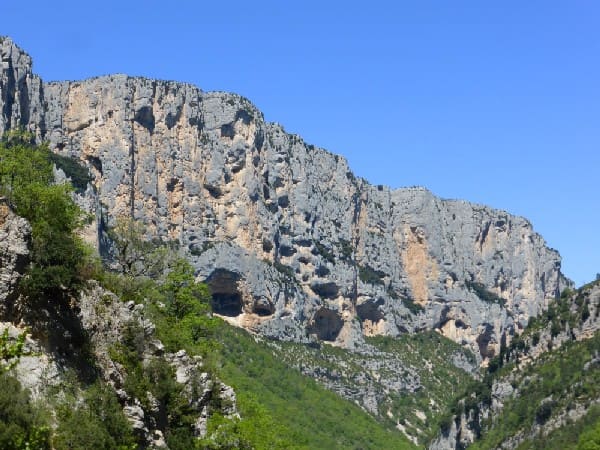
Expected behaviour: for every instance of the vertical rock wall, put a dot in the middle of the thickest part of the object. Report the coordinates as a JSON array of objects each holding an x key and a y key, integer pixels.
[{"x": 291, "y": 242}]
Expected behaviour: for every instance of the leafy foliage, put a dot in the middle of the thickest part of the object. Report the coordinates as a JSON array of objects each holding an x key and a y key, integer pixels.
[
  {"x": 22, "y": 423},
  {"x": 369, "y": 275},
  {"x": 10, "y": 350},
  {"x": 78, "y": 174},
  {"x": 153, "y": 383},
  {"x": 431, "y": 355},
  {"x": 571, "y": 436},
  {"x": 545, "y": 388},
  {"x": 92, "y": 420},
  {"x": 57, "y": 253},
  {"x": 590, "y": 439},
  {"x": 134, "y": 254},
  {"x": 309, "y": 416}
]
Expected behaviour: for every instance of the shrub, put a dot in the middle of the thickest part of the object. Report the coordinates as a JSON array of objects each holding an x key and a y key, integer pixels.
[
  {"x": 22, "y": 424},
  {"x": 77, "y": 172},
  {"x": 484, "y": 294},
  {"x": 94, "y": 421},
  {"x": 57, "y": 253},
  {"x": 369, "y": 275}
]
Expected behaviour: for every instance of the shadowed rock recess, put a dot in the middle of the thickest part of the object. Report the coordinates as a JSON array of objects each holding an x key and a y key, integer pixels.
[{"x": 292, "y": 244}]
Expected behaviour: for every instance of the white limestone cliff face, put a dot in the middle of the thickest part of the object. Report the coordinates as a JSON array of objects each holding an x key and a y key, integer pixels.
[{"x": 291, "y": 243}]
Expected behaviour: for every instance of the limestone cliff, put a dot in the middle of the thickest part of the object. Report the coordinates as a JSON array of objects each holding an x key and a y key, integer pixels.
[{"x": 291, "y": 243}]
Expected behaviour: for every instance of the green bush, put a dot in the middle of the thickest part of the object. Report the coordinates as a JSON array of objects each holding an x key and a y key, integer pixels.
[
  {"x": 484, "y": 294},
  {"x": 10, "y": 350},
  {"x": 369, "y": 275},
  {"x": 590, "y": 440},
  {"x": 77, "y": 172},
  {"x": 23, "y": 424},
  {"x": 94, "y": 421},
  {"x": 57, "y": 253}
]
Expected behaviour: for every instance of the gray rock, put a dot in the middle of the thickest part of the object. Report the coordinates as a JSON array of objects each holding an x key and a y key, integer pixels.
[
  {"x": 14, "y": 240},
  {"x": 287, "y": 237}
]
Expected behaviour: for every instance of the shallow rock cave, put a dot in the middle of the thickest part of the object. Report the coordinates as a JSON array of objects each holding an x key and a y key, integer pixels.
[
  {"x": 369, "y": 310},
  {"x": 226, "y": 298},
  {"x": 326, "y": 325},
  {"x": 327, "y": 289},
  {"x": 484, "y": 340},
  {"x": 263, "y": 307}
]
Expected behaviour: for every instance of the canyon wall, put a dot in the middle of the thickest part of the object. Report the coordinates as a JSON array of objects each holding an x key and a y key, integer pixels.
[{"x": 292, "y": 244}]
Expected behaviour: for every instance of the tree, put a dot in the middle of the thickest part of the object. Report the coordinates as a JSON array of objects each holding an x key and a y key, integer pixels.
[
  {"x": 184, "y": 296},
  {"x": 21, "y": 422},
  {"x": 133, "y": 254},
  {"x": 10, "y": 350}
]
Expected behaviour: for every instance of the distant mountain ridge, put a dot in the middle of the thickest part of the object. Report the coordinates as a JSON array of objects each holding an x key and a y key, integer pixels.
[{"x": 292, "y": 244}]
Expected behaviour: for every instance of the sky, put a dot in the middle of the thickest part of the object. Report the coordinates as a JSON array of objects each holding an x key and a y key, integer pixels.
[{"x": 492, "y": 102}]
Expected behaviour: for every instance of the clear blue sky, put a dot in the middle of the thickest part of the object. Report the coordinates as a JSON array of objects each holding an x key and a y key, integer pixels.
[{"x": 493, "y": 102}]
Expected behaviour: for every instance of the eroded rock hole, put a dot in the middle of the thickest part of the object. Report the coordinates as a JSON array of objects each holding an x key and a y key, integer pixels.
[
  {"x": 226, "y": 298},
  {"x": 244, "y": 116},
  {"x": 326, "y": 324},
  {"x": 145, "y": 117},
  {"x": 485, "y": 342},
  {"x": 370, "y": 310},
  {"x": 228, "y": 131},
  {"x": 173, "y": 182},
  {"x": 286, "y": 250},
  {"x": 263, "y": 307},
  {"x": 95, "y": 162},
  {"x": 328, "y": 290}
]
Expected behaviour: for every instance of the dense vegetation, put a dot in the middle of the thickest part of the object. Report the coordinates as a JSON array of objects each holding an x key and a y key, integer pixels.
[
  {"x": 557, "y": 383},
  {"x": 310, "y": 416},
  {"x": 84, "y": 413},
  {"x": 433, "y": 356},
  {"x": 424, "y": 358},
  {"x": 57, "y": 254}
]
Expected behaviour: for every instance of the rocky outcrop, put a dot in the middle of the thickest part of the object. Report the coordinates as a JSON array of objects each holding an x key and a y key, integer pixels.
[
  {"x": 14, "y": 239},
  {"x": 290, "y": 241},
  {"x": 579, "y": 321},
  {"x": 107, "y": 321}
]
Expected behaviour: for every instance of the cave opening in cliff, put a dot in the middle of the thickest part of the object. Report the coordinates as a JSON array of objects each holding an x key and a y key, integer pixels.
[
  {"x": 326, "y": 325},
  {"x": 369, "y": 313},
  {"x": 369, "y": 310},
  {"x": 263, "y": 308},
  {"x": 226, "y": 300},
  {"x": 486, "y": 342}
]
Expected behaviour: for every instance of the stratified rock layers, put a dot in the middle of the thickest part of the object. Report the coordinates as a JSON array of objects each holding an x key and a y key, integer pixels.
[{"x": 292, "y": 244}]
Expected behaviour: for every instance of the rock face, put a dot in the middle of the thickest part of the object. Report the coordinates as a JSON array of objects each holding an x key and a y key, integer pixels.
[
  {"x": 14, "y": 238},
  {"x": 291, "y": 243}
]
